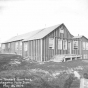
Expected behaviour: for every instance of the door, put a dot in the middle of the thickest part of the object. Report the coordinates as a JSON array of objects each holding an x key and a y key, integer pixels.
[{"x": 69, "y": 47}]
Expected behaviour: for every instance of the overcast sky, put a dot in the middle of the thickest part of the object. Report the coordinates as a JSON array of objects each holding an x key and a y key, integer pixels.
[{"x": 22, "y": 16}]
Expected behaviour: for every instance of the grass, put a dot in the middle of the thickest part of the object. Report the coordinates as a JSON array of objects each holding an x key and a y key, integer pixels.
[
  {"x": 42, "y": 75},
  {"x": 5, "y": 60}
]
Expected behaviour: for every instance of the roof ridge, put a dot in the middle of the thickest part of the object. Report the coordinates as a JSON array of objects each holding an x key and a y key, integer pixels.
[
  {"x": 35, "y": 34},
  {"x": 42, "y": 33}
]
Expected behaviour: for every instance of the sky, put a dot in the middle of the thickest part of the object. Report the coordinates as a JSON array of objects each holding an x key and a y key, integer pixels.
[{"x": 22, "y": 16}]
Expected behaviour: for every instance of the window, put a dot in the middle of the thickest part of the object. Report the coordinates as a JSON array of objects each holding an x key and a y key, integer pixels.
[
  {"x": 3, "y": 46},
  {"x": 0, "y": 44},
  {"x": 25, "y": 46},
  {"x": 84, "y": 45},
  {"x": 16, "y": 45},
  {"x": 64, "y": 44},
  {"x": 75, "y": 44},
  {"x": 51, "y": 43},
  {"x": 85, "y": 56},
  {"x": 8, "y": 45},
  {"x": 20, "y": 45},
  {"x": 60, "y": 44},
  {"x": 61, "y": 30}
]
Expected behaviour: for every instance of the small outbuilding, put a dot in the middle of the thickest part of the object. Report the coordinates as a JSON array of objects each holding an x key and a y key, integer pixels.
[{"x": 80, "y": 46}]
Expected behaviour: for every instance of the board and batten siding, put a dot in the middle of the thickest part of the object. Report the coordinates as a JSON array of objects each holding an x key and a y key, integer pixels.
[
  {"x": 84, "y": 51},
  {"x": 82, "y": 48},
  {"x": 5, "y": 48},
  {"x": 58, "y": 41},
  {"x": 78, "y": 50},
  {"x": 48, "y": 53},
  {"x": 34, "y": 50},
  {"x": 13, "y": 47}
]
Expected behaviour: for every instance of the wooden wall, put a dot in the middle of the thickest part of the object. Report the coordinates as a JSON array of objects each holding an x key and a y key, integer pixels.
[
  {"x": 49, "y": 53},
  {"x": 11, "y": 48},
  {"x": 34, "y": 49},
  {"x": 80, "y": 50},
  {"x": 5, "y": 49},
  {"x": 84, "y": 51},
  {"x": 18, "y": 47},
  {"x": 39, "y": 49},
  {"x": 77, "y": 51}
]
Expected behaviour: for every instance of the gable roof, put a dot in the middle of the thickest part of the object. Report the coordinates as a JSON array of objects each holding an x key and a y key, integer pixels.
[
  {"x": 79, "y": 37},
  {"x": 21, "y": 37},
  {"x": 42, "y": 33},
  {"x": 38, "y": 34}
]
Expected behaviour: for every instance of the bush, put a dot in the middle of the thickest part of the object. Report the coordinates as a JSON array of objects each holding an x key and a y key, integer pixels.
[{"x": 69, "y": 81}]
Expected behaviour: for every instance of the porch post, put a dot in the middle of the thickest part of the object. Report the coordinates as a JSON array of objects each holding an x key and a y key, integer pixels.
[{"x": 41, "y": 50}]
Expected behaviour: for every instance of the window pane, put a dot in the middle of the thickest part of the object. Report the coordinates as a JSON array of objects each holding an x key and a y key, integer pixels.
[
  {"x": 51, "y": 43},
  {"x": 3, "y": 46},
  {"x": 25, "y": 46},
  {"x": 8, "y": 45},
  {"x": 20, "y": 45},
  {"x": 64, "y": 45},
  {"x": 75, "y": 44},
  {"x": 16, "y": 45},
  {"x": 59, "y": 44},
  {"x": 61, "y": 30},
  {"x": 85, "y": 56},
  {"x": 84, "y": 45}
]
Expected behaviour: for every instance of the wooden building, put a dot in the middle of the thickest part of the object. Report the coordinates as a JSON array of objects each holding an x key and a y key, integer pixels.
[
  {"x": 48, "y": 42},
  {"x": 43, "y": 44},
  {"x": 80, "y": 46},
  {"x": 15, "y": 45}
]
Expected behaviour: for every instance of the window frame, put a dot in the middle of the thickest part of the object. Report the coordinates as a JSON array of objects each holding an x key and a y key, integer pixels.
[
  {"x": 25, "y": 46},
  {"x": 16, "y": 45},
  {"x": 84, "y": 45},
  {"x": 65, "y": 44},
  {"x": 60, "y": 42},
  {"x": 76, "y": 45},
  {"x": 51, "y": 43}
]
